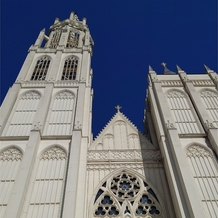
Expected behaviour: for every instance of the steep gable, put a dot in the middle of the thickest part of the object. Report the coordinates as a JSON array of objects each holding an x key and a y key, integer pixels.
[{"x": 120, "y": 133}]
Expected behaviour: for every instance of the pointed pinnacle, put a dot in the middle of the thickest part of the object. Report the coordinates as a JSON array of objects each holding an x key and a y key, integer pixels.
[
  {"x": 43, "y": 30},
  {"x": 207, "y": 68},
  {"x": 178, "y": 68},
  {"x": 150, "y": 68}
]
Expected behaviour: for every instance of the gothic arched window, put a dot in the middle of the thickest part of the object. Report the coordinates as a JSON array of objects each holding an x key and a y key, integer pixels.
[
  {"x": 70, "y": 69},
  {"x": 22, "y": 119},
  {"x": 41, "y": 68},
  {"x": 45, "y": 197},
  {"x": 183, "y": 115},
  {"x": 73, "y": 39},
  {"x": 55, "y": 39},
  {"x": 210, "y": 99},
  {"x": 205, "y": 174},
  {"x": 60, "y": 118},
  {"x": 9, "y": 161},
  {"x": 125, "y": 194}
]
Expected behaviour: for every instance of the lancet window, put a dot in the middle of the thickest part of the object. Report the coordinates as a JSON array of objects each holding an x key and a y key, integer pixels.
[
  {"x": 125, "y": 194},
  {"x": 55, "y": 39},
  {"x": 23, "y": 116},
  {"x": 44, "y": 200},
  {"x": 70, "y": 69},
  {"x": 204, "y": 169},
  {"x": 41, "y": 68},
  {"x": 9, "y": 161},
  {"x": 73, "y": 39},
  {"x": 210, "y": 99},
  {"x": 60, "y": 117},
  {"x": 183, "y": 115}
]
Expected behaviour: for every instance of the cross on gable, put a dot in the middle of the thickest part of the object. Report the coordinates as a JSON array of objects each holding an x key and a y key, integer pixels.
[
  {"x": 118, "y": 107},
  {"x": 164, "y": 64}
]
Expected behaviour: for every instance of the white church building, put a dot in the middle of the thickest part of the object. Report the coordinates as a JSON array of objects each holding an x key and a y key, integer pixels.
[{"x": 50, "y": 167}]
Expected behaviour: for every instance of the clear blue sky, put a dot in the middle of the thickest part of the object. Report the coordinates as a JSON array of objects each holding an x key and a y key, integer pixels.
[{"x": 128, "y": 36}]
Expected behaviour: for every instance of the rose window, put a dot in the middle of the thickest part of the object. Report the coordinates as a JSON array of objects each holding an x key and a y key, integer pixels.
[
  {"x": 125, "y": 186},
  {"x": 125, "y": 194}
]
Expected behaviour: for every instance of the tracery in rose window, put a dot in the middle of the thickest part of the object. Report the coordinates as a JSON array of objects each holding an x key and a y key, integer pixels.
[{"x": 126, "y": 195}]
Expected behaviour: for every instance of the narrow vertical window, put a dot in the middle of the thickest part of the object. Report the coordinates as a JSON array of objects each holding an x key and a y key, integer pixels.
[
  {"x": 210, "y": 99},
  {"x": 60, "y": 117},
  {"x": 70, "y": 69},
  {"x": 23, "y": 116},
  {"x": 55, "y": 39},
  {"x": 204, "y": 169},
  {"x": 73, "y": 39},
  {"x": 182, "y": 113},
  {"x": 46, "y": 196},
  {"x": 41, "y": 69},
  {"x": 9, "y": 161}
]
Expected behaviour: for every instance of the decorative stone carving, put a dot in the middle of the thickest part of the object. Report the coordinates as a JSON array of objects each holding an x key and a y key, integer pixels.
[
  {"x": 54, "y": 153},
  {"x": 208, "y": 93},
  {"x": 171, "y": 83},
  {"x": 124, "y": 155},
  {"x": 31, "y": 95},
  {"x": 176, "y": 94},
  {"x": 170, "y": 125},
  {"x": 209, "y": 125},
  {"x": 78, "y": 125},
  {"x": 11, "y": 154},
  {"x": 126, "y": 193},
  {"x": 197, "y": 151},
  {"x": 64, "y": 95},
  {"x": 202, "y": 83},
  {"x": 37, "y": 126}
]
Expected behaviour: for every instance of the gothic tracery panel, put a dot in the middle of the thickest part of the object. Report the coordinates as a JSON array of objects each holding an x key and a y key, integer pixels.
[
  {"x": 55, "y": 38},
  {"x": 126, "y": 195},
  {"x": 60, "y": 118},
  {"x": 183, "y": 115},
  {"x": 205, "y": 173},
  {"x": 46, "y": 195},
  {"x": 73, "y": 39},
  {"x": 210, "y": 99},
  {"x": 41, "y": 68},
  {"x": 9, "y": 164},
  {"x": 23, "y": 116},
  {"x": 70, "y": 69}
]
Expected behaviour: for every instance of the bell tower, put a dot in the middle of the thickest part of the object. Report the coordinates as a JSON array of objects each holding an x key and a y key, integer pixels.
[{"x": 46, "y": 125}]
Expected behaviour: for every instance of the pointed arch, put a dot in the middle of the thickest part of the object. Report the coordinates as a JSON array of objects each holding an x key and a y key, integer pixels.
[
  {"x": 70, "y": 68},
  {"x": 125, "y": 193},
  {"x": 73, "y": 38},
  {"x": 182, "y": 112},
  {"x": 205, "y": 174},
  {"x": 45, "y": 196},
  {"x": 210, "y": 100},
  {"x": 10, "y": 159},
  {"x": 61, "y": 114},
  {"x": 55, "y": 38},
  {"x": 41, "y": 68},
  {"x": 23, "y": 114}
]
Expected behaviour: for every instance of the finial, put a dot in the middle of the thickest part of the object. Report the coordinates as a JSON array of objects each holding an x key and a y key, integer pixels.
[
  {"x": 118, "y": 107},
  {"x": 56, "y": 20},
  {"x": 166, "y": 70},
  {"x": 178, "y": 68}
]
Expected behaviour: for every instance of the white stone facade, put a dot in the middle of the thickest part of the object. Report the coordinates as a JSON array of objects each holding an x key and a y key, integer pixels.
[{"x": 51, "y": 166}]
